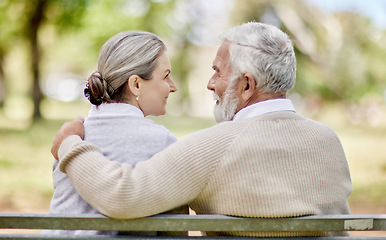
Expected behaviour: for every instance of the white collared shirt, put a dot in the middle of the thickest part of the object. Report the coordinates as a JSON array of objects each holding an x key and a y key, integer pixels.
[{"x": 260, "y": 108}]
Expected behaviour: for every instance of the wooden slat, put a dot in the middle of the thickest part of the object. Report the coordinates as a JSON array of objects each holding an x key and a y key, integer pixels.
[
  {"x": 193, "y": 223},
  {"x": 99, "y": 237}
]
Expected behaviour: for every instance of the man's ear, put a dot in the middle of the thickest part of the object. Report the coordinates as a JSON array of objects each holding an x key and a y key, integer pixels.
[
  {"x": 248, "y": 86},
  {"x": 134, "y": 83}
]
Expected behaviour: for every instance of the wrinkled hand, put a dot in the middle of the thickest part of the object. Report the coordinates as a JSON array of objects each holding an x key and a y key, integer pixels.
[{"x": 69, "y": 128}]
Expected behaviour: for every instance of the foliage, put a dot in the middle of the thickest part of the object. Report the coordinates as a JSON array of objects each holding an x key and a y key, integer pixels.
[
  {"x": 340, "y": 56},
  {"x": 41, "y": 25},
  {"x": 26, "y": 19}
]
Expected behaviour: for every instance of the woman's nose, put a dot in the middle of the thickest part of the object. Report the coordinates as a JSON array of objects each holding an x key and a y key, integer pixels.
[{"x": 172, "y": 85}]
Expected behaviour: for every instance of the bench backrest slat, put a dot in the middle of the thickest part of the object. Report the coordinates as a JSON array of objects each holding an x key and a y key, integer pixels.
[{"x": 194, "y": 223}]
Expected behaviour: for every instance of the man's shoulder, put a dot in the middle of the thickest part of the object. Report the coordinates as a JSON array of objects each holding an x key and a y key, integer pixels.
[
  {"x": 292, "y": 119},
  {"x": 226, "y": 129}
]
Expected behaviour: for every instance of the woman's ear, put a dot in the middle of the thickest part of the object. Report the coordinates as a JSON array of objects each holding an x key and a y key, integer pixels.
[
  {"x": 248, "y": 86},
  {"x": 134, "y": 84}
]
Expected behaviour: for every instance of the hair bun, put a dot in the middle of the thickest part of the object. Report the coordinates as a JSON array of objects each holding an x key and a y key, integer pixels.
[{"x": 94, "y": 89}]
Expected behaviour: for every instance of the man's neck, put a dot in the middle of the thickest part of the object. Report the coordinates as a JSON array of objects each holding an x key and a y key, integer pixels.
[{"x": 259, "y": 96}]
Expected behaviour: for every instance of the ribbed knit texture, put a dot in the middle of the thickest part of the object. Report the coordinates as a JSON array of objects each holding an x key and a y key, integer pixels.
[{"x": 274, "y": 165}]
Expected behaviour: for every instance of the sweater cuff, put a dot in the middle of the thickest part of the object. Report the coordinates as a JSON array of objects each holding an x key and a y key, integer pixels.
[
  {"x": 65, "y": 149},
  {"x": 67, "y": 145}
]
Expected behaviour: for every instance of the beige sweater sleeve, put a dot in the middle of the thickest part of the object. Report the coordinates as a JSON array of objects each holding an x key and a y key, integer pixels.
[{"x": 170, "y": 179}]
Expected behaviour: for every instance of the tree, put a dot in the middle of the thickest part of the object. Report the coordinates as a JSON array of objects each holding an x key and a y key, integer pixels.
[
  {"x": 62, "y": 14},
  {"x": 2, "y": 80},
  {"x": 35, "y": 20},
  {"x": 93, "y": 21},
  {"x": 22, "y": 22}
]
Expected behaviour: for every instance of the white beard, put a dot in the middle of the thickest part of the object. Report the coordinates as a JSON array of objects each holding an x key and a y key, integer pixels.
[{"x": 226, "y": 110}]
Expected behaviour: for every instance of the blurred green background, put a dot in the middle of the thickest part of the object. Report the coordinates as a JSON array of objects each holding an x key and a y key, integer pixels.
[{"x": 49, "y": 47}]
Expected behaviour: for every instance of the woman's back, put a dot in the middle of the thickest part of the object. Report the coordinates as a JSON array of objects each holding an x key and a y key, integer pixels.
[{"x": 123, "y": 134}]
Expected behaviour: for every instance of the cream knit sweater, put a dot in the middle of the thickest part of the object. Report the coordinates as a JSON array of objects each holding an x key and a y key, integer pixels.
[{"x": 274, "y": 165}]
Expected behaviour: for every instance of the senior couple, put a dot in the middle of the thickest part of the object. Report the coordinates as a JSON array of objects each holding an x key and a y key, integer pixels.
[{"x": 262, "y": 159}]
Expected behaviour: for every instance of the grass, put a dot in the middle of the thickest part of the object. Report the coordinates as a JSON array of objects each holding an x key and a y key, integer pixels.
[{"x": 25, "y": 158}]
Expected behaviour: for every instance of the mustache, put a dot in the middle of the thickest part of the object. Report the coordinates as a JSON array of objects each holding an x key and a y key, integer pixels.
[{"x": 216, "y": 97}]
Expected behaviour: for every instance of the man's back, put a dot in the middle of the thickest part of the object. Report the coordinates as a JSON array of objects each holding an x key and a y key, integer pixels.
[{"x": 280, "y": 165}]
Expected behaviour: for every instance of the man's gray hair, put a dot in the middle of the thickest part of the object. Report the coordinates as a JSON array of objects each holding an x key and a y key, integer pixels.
[{"x": 263, "y": 51}]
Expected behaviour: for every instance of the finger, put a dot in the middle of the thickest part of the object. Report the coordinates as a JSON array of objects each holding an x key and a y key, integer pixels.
[
  {"x": 54, "y": 150},
  {"x": 60, "y": 136}
]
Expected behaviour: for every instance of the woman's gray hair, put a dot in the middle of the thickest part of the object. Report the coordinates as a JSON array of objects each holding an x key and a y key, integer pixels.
[
  {"x": 263, "y": 51},
  {"x": 126, "y": 54}
]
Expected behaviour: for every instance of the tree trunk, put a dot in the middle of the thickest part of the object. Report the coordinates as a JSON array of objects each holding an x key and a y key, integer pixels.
[
  {"x": 34, "y": 25},
  {"x": 2, "y": 81}
]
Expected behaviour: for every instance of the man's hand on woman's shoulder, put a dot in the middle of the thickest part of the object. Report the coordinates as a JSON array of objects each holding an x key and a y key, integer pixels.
[{"x": 69, "y": 128}]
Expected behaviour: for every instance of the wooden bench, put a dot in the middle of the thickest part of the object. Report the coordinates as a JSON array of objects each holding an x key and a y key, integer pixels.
[{"x": 187, "y": 223}]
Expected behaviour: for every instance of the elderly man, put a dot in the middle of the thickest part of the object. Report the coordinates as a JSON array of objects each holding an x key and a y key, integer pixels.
[{"x": 262, "y": 160}]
